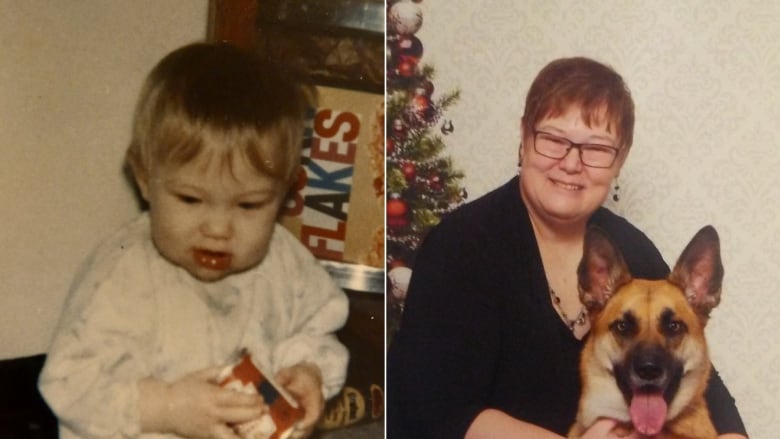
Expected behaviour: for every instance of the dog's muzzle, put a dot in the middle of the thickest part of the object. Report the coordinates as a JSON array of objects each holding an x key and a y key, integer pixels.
[{"x": 649, "y": 378}]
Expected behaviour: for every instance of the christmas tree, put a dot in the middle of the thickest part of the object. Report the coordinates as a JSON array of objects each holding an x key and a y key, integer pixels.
[{"x": 422, "y": 184}]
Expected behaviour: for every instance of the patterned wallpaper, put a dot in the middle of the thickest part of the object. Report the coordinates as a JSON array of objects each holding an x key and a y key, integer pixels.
[{"x": 705, "y": 76}]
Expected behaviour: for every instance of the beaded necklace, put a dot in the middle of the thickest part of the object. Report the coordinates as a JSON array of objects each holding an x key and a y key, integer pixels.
[{"x": 579, "y": 320}]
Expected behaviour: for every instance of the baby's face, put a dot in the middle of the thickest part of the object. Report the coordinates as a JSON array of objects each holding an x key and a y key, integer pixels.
[{"x": 213, "y": 218}]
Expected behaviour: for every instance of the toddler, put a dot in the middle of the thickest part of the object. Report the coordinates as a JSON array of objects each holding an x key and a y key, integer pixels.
[{"x": 162, "y": 306}]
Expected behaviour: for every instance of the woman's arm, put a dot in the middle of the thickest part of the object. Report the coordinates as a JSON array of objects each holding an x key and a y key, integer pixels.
[
  {"x": 495, "y": 424},
  {"x": 723, "y": 408},
  {"x": 443, "y": 358}
]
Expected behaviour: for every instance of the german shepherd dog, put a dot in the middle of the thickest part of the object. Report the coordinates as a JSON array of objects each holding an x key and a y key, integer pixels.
[{"x": 645, "y": 362}]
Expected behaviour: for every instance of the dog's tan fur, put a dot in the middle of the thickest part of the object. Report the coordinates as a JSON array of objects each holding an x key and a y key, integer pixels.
[{"x": 636, "y": 319}]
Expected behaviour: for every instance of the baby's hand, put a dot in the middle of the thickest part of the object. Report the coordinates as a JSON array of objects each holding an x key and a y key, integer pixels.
[
  {"x": 196, "y": 406},
  {"x": 304, "y": 382}
]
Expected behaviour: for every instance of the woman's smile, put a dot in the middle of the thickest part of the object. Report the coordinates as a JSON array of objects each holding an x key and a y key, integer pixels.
[{"x": 567, "y": 186}]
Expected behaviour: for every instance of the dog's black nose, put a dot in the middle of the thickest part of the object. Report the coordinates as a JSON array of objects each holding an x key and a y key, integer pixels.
[
  {"x": 649, "y": 362},
  {"x": 648, "y": 370}
]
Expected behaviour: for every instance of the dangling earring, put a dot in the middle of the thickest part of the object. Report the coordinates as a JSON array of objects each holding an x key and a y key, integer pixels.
[{"x": 616, "y": 195}]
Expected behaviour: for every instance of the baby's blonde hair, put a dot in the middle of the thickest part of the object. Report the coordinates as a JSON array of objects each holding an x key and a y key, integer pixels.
[{"x": 222, "y": 97}]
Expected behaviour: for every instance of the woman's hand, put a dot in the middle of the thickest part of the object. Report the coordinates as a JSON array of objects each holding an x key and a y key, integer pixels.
[
  {"x": 195, "y": 406},
  {"x": 304, "y": 382},
  {"x": 608, "y": 428}
]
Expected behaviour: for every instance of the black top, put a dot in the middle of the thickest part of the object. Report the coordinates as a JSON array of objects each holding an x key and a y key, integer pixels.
[{"x": 479, "y": 330}]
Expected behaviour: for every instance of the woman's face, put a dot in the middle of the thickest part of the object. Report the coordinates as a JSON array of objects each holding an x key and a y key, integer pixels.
[{"x": 565, "y": 191}]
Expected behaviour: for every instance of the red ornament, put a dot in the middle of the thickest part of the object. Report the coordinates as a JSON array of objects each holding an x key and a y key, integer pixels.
[
  {"x": 397, "y": 213},
  {"x": 407, "y": 67},
  {"x": 435, "y": 182},
  {"x": 397, "y": 222},
  {"x": 389, "y": 146},
  {"x": 421, "y": 104},
  {"x": 409, "y": 170},
  {"x": 396, "y": 208}
]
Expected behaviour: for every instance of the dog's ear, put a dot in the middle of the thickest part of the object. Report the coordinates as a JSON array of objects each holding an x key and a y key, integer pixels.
[
  {"x": 699, "y": 272},
  {"x": 602, "y": 270}
]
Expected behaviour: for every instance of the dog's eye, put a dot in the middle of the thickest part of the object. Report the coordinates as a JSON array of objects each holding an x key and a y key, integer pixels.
[
  {"x": 675, "y": 327},
  {"x": 623, "y": 327}
]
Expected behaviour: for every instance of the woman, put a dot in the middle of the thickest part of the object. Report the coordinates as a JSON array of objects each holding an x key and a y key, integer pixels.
[{"x": 492, "y": 330}]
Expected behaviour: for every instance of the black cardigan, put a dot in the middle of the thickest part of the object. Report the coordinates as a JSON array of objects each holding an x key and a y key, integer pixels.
[{"x": 479, "y": 330}]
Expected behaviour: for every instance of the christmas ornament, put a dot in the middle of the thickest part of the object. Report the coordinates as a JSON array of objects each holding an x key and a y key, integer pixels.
[
  {"x": 409, "y": 170},
  {"x": 406, "y": 68},
  {"x": 397, "y": 214},
  {"x": 409, "y": 47},
  {"x": 405, "y": 18},
  {"x": 421, "y": 104},
  {"x": 399, "y": 281},
  {"x": 389, "y": 146},
  {"x": 447, "y": 127},
  {"x": 399, "y": 129},
  {"x": 435, "y": 182},
  {"x": 397, "y": 222},
  {"x": 396, "y": 208}
]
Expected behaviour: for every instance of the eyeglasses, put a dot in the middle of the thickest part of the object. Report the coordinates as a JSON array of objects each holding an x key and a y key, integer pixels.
[{"x": 593, "y": 155}]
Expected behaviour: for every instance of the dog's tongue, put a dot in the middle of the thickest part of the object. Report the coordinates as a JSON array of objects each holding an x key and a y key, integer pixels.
[{"x": 648, "y": 413}]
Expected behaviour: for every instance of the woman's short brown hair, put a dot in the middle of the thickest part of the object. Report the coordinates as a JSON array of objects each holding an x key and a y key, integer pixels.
[
  {"x": 219, "y": 96},
  {"x": 596, "y": 88}
]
